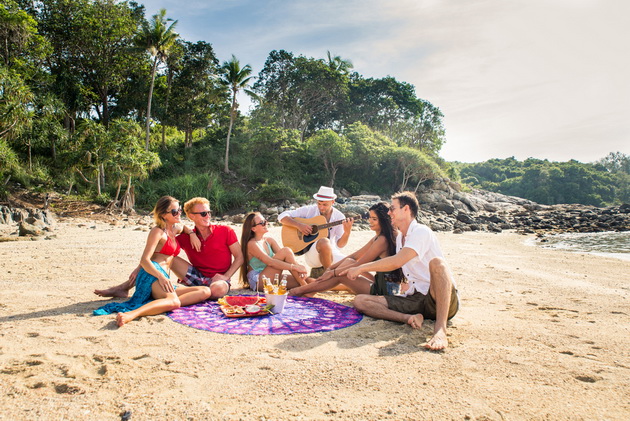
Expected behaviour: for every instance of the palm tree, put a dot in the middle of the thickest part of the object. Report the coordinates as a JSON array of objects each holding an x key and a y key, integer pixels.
[
  {"x": 338, "y": 64},
  {"x": 235, "y": 78},
  {"x": 157, "y": 37}
]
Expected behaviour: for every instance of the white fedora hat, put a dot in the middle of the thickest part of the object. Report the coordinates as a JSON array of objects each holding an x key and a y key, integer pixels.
[{"x": 325, "y": 193}]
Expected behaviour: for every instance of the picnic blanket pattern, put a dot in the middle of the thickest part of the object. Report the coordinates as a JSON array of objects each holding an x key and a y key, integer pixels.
[{"x": 300, "y": 315}]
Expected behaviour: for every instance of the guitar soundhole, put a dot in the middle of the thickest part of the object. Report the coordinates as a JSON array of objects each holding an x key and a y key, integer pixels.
[{"x": 315, "y": 229}]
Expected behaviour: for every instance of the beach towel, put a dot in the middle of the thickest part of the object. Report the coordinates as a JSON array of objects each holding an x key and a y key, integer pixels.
[{"x": 300, "y": 315}]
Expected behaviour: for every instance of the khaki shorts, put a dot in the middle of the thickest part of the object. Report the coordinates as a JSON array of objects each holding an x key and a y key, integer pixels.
[{"x": 419, "y": 303}]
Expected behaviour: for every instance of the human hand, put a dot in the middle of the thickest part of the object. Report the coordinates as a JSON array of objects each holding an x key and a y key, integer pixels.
[
  {"x": 351, "y": 273},
  {"x": 305, "y": 229},
  {"x": 219, "y": 277},
  {"x": 326, "y": 275},
  {"x": 300, "y": 269},
  {"x": 134, "y": 274},
  {"x": 166, "y": 285},
  {"x": 195, "y": 242},
  {"x": 347, "y": 224}
]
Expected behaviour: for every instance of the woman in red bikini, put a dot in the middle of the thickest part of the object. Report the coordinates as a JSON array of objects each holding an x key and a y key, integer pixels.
[{"x": 154, "y": 292}]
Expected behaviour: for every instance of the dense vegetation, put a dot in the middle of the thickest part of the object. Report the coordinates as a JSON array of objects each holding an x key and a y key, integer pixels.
[
  {"x": 605, "y": 182},
  {"x": 98, "y": 100}
]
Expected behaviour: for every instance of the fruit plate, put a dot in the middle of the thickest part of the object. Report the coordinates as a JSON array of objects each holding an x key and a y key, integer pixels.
[{"x": 237, "y": 306}]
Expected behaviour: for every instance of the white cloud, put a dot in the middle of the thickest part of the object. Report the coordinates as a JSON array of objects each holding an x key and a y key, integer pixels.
[{"x": 541, "y": 78}]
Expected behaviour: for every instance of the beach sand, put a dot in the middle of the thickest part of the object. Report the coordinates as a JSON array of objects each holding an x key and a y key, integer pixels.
[{"x": 541, "y": 334}]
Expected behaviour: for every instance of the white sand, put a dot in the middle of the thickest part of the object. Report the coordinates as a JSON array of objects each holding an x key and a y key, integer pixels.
[{"x": 541, "y": 334}]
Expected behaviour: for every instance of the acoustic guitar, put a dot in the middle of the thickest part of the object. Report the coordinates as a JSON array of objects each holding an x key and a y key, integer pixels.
[{"x": 296, "y": 241}]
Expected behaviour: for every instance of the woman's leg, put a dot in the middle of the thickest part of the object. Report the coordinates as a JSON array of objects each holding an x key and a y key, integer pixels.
[
  {"x": 162, "y": 303},
  {"x": 361, "y": 285},
  {"x": 299, "y": 272},
  {"x": 193, "y": 295}
]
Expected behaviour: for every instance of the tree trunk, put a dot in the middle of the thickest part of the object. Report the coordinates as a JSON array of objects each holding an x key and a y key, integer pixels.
[
  {"x": 118, "y": 191},
  {"x": 102, "y": 172},
  {"x": 169, "y": 83},
  {"x": 226, "y": 169},
  {"x": 30, "y": 158},
  {"x": 153, "y": 70},
  {"x": 128, "y": 200},
  {"x": 98, "y": 180}
]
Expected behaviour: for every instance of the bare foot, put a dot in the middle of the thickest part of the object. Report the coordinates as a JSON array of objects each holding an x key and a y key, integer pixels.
[
  {"x": 415, "y": 321},
  {"x": 115, "y": 292},
  {"x": 438, "y": 342},
  {"x": 294, "y": 292},
  {"x": 122, "y": 318}
]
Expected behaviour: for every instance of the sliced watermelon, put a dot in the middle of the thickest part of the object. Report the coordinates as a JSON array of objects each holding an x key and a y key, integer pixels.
[{"x": 243, "y": 300}]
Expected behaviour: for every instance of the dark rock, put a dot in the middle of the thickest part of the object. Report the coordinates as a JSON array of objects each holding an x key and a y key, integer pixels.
[
  {"x": 445, "y": 207},
  {"x": 465, "y": 218},
  {"x": 492, "y": 227}
]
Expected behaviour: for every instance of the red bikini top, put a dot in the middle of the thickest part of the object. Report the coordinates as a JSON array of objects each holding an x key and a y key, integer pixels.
[{"x": 169, "y": 248}]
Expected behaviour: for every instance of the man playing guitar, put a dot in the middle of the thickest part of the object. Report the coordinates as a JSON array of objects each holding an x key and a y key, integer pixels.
[{"x": 325, "y": 251}]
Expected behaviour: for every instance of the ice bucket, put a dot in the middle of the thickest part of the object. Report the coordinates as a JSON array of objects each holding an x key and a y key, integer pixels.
[{"x": 278, "y": 302}]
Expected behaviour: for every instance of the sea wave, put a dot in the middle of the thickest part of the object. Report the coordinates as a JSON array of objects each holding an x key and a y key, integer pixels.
[{"x": 610, "y": 244}]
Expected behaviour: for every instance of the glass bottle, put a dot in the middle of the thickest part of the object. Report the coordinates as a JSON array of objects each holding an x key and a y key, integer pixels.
[{"x": 282, "y": 289}]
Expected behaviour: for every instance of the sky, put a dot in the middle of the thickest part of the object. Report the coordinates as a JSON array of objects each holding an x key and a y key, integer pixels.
[{"x": 545, "y": 79}]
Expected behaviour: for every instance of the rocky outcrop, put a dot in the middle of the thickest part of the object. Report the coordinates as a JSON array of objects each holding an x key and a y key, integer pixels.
[
  {"x": 444, "y": 207},
  {"x": 30, "y": 222}
]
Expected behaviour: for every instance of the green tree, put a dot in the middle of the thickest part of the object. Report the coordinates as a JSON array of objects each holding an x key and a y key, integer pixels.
[
  {"x": 15, "y": 100},
  {"x": 129, "y": 159},
  {"x": 332, "y": 149},
  {"x": 158, "y": 38},
  {"x": 196, "y": 96},
  {"x": 338, "y": 64},
  {"x": 236, "y": 78},
  {"x": 414, "y": 167},
  {"x": 304, "y": 93}
]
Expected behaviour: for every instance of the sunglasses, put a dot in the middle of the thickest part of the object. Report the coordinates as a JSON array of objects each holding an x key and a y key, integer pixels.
[
  {"x": 175, "y": 212},
  {"x": 263, "y": 223},
  {"x": 203, "y": 214}
]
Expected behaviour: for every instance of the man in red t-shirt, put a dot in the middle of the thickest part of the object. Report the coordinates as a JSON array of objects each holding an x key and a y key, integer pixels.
[
  {"x": 213, "y": 251},
  {"x": 218, "y": 257}
]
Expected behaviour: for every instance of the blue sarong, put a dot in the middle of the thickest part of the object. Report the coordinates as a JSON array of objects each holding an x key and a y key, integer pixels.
[{"x": 140, "y": 297}]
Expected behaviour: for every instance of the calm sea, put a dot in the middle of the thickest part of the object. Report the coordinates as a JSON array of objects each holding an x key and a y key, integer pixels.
[{"x": 612, "y": 244}]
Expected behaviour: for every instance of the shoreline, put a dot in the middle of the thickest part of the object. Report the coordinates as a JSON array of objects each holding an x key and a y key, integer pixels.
[{"x": 541, "y": 334}]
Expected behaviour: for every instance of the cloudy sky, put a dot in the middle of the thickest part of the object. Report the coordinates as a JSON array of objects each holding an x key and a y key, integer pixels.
[{"x": 526, "y": 78}]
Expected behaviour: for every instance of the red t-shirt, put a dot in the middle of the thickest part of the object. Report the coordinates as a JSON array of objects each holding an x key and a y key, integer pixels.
[{"x": 215, "y": 255}]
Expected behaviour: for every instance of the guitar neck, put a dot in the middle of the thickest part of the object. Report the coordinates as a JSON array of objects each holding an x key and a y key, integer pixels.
[{"x": 330, "y": 224}]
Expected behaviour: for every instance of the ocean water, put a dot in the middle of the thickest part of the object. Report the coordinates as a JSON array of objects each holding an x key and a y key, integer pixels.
[{"x": 612, "y": 244}]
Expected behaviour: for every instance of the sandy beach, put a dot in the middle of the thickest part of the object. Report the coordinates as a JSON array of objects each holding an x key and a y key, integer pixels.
[{"x": 541, "y": 334}]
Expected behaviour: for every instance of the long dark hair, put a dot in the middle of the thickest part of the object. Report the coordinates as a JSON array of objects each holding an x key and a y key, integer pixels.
[
  {"x": 381, "y": 209},
  {"x": 246, "y": 235}
]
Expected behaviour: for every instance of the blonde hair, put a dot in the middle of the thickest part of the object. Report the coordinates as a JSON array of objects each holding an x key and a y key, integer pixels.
[
  {"x": 160, "y": 208},
  {"x": 195, "y": 201}
]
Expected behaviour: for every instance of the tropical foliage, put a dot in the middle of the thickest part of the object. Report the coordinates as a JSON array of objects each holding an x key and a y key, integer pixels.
[
  {"x": 80, "y": 78},
  {"x": 601, "y": 183}
]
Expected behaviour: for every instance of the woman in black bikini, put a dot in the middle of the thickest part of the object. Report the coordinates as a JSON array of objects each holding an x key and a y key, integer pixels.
[{"x": 382, "y": 245}]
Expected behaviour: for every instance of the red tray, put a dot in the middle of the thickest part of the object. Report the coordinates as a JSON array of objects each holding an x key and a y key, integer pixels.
[
  {"x": 237, "y": 315},
  {"x": 242, "y": 301}
]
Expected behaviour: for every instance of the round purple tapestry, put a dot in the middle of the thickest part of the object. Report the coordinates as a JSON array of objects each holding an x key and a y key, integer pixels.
[{"x": 300, "y": 315}]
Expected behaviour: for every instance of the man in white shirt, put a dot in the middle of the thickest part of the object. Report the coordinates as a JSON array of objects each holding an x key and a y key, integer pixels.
[
  {"x": 431, "y": 294},
  {"x": 325, "y": 251}
]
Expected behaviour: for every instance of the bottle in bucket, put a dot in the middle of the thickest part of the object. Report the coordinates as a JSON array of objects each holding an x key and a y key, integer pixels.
[
  {"x": 282, "y": 289},
  {"x": 267, "y": 285}
]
